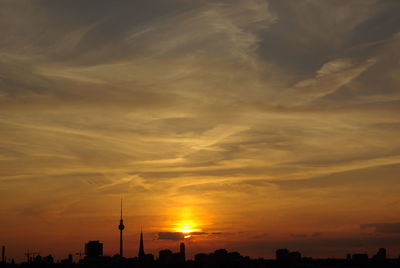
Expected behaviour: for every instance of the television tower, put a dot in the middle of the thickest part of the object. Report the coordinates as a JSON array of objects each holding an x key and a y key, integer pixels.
[{"x": 121, "y": 227}]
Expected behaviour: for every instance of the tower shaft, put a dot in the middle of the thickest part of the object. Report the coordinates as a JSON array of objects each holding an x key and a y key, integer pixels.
[
  {"x": 121, "y": 246},
  {"x": 121, "y": 227}
]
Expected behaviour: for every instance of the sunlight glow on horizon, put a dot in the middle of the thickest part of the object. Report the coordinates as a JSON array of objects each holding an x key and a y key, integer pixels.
[
  {"x": 186, "y": 230},
  {"x": 187, "y": 223}
]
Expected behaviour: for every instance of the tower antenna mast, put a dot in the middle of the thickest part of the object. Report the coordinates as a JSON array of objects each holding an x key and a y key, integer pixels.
[{"x": 121, "y": 227}]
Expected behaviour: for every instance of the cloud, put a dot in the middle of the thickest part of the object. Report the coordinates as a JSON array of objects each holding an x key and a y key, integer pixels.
[
  {"x": 260, "y": 236},
  {"x": 332, "y": 76},
  {"x": 175, "y": 236},
  {"x": 306, "y": 235},
  {"x": 362, "y": 177},
  {"x": 383, "y": 227},
  {"x": 199, "y": 233}
]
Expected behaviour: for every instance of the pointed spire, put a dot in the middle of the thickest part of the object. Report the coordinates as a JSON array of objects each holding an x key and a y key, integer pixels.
[{"x": 141, "y": 255}]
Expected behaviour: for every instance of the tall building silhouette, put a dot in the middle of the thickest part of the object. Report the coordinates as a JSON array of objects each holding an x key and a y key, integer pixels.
[
  {"x": 121, "y": 227},
  {"x": 3, "y": 255},
  {"x": 182, "y": 251},
  {"x": 141, "y": 255}
]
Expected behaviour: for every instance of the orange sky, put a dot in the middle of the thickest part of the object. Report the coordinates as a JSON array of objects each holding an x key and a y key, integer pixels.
[{"x": 260, "y": 124}]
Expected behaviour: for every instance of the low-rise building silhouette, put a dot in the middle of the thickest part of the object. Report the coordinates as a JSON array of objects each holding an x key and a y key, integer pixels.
[
  {"x": 166, "y": 256},
  {"x": 221, "y": 257},
  {"x": 359, "y": 257},
  {"x": 3, "y": 255},
  {"x": 380, "y": 255},
  {"x": 94, "y": 248},
  {"x": 285, "y": 255}
]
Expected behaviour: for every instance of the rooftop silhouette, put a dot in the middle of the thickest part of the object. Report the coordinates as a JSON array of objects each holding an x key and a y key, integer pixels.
[{"x": 219, "y": 258}]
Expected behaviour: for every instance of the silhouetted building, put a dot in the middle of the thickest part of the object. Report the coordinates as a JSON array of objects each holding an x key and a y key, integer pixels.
[
  {"x": 359, "y": 257},
  {"x": 234, "y": 257},
  {"x": 182, "y": 251},
  {"x": 295, "y": 256},
  {"x": 148, "y": 258},
  {"x": 94, "y": 249},
  {"x": 285, "y": 255},
  {"x": 165, "y": 256},
  {"x": 201, "y": 257},
  {"x": 381, "y": 254},
  {"x": 38, "y": 259},
  {"x": 121, "y": 227},
  {"x": 168, "y": 257},
  {"x": 177, "y": 258},
  {"x": 220, "y": 256},
  {"x": 282, "y": 254},
  {"x": 223, "y": 258},
  {"x": 221, "y": 252},
  {"x": 68, "y": 261},
  {"x": 3, "y": 255},
  {"x": 141, "y": 255}
]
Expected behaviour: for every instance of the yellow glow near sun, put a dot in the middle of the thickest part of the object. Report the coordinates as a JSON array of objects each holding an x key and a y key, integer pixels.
[
  {"x": 187, "y": 221},
  {"x": 187, "y": 227},
  {"x": 186, "y": 230}
]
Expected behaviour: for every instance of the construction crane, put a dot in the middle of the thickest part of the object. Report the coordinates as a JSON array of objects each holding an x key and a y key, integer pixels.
[
  {"x": 79, "y": 254},
  {"x": 30, "y": 255}
]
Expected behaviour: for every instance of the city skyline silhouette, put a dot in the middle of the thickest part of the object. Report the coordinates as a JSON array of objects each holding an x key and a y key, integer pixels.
[
  {"x": 94, "y": 257},
  {"x": 93, "y": 254}
]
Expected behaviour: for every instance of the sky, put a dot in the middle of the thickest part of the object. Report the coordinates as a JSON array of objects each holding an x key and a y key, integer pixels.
[{"x": 257, "y": 124}]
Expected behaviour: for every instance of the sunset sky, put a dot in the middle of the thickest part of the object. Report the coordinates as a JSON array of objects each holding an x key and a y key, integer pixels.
[{"x": 258, "y": 124}]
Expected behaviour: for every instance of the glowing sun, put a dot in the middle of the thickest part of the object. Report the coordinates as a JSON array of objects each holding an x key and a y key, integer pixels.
[{"x": 186, "y": 230}]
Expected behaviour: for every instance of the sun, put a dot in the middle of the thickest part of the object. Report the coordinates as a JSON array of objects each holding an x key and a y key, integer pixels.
[
  {"x": 186, "y": 226},
  {"x": 187, "y": 222},
  {"x": 186, "y": 230}
]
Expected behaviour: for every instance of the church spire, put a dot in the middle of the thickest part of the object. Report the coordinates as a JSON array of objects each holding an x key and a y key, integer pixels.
[{"x": 141, "y": 248}]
